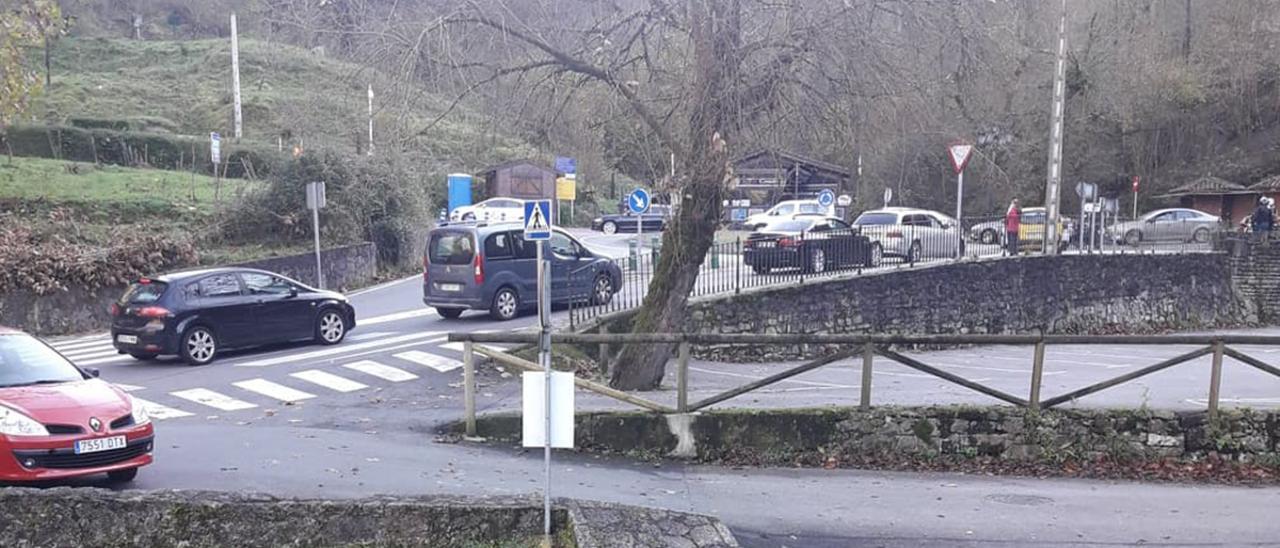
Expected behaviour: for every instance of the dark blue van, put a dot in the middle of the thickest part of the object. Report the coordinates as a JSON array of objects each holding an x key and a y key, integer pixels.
[{"x": 481, "y": 266}]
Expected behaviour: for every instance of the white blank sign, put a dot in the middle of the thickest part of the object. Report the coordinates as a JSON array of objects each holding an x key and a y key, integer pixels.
[{"x": 535, "y": 421}]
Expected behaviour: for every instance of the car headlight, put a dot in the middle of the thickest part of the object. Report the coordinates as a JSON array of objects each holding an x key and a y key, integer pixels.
[
  {"x": 138, "y": 411},
  {"x": 14, "y": 423}
]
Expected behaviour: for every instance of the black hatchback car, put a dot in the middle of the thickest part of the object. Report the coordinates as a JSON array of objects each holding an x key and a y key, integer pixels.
[
  {"x": 812, "y": 243},
  {"x": 198, "y": 314}
]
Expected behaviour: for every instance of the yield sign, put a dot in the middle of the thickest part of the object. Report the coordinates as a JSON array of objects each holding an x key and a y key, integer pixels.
[{"x": 960, "y": 156}]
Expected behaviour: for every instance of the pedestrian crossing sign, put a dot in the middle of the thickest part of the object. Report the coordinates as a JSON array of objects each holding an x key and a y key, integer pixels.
[{"x": 537, "y": 220}]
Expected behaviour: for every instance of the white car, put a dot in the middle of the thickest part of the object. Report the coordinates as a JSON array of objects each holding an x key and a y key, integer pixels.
[
  {"x": 784, "y": 210},
  {"x": 912, "y": 234},
  {"x": 493, "y": 209}
]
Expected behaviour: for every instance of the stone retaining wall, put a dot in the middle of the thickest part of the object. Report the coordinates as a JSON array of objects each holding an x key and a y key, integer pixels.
[
  {"x": 79, "y": 310},
  {"x": 1057, "y": 294},
  {"x": 32, "y": 518},
  {"x": 781, "y": 437}
]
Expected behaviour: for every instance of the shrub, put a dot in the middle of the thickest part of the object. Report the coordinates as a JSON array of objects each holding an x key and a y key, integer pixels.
[{"x": 29, "y": 261}]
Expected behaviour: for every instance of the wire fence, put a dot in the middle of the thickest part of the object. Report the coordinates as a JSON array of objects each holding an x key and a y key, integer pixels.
[{"x": 762, "y": 259}]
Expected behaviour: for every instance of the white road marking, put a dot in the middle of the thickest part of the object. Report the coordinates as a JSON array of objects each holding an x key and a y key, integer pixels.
[
  {"x": 127, "y": 387},
  {"x": 408, "y": 314},
  {"x": 336, "y": 350},
  {"x": 77, "y": 346},
  {"x": 329, "y": 380},
  {"x": 439, "y": 363},
  {"x": 99, "y": 361},
  {"x": 384, "y": 372},
  {"x": 272, "y": 390},
  {"x": 369, "y": 336},
  {"x": 204, "y": 396},
  {"x": 91, "y": 354},
  {"x": 161, "y": 412},
  {"x": 455, "y": 346},
  {"x": 1205, "y": 402}
]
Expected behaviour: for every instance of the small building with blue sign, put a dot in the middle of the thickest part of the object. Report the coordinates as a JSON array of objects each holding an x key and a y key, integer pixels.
[{"x": 765, "y": 177}]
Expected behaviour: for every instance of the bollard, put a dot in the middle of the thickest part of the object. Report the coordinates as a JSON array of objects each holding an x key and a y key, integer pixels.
[
  {"x": 469, "y": 387},
  {"x": 868, "y": 356}
]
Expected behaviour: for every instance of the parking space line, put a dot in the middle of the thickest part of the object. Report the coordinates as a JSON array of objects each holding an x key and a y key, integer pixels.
[
  {"x": 273, "y": 390},
  {"x": 204, "y": 396},
  {"x": 161, "y": 412},
  {"x": 384, "y": 372},
  {"x": 329, "y": 380},
  {"x": 439, "y": 363}
]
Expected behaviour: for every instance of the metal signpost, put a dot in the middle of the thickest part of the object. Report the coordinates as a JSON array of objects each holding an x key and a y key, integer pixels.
[
  {"x": 537, "y": 228},
  {"x": 960, "y": 153},
  {"x": 215, "y": 157},
  {"x": 569, "y": 167},
  {"x": 316, "y": 201},
  {"x": 1136, "y": 180},
  {"x": 638, "y": 203},
  {"x": 1088, "y": 193}
]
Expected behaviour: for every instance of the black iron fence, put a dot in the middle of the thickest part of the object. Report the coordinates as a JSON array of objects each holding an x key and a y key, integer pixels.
[{"x": 751, "y": 260}]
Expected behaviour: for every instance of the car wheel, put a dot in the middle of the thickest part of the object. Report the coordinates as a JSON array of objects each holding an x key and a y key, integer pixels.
[
  {"x": 875, "y": 256},
  {"x": 1200, "y": 236},
  {"x": 122, "y": 476},
  {"x": 505, "y": 304},
  {"x": 602, "y": 290},
  {"x": 817, "y": 262},
  {"x": 1133, "y": 238},
  {"x": 915, "y": 253},
  {"x": 143, "y": 356},
  {"x": 610, "y": 228},
  {"x": 330, "y": 327},
  {"x": 987, "y": 237},
  {"x": 199, "y": 346},
  {"x": 760, "y": 269},
  {"x": 449, "y": 313}
]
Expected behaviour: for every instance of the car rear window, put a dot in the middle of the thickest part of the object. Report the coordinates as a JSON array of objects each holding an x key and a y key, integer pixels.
[
  {"x": 876, "y": 219},
  {"x": 451, "y": 248},
  {"x": 144, "y": 292}
]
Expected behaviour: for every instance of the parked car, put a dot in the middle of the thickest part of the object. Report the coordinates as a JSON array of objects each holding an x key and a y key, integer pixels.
[
  {"x": 911, "y": 234},
  {"x": 198, "y": 314},
  {"x": 492, "y": 210},
  {"x": 784, "y": 210},
  {"x": 491, "y": 267},
  {"x": 811, "y": 243},
  {"x": 1031, "y": 231},
  {"x": 654, "y": 220},
  {"x": 1178, "y": 224},
  {"x": 59, "y": 421}
]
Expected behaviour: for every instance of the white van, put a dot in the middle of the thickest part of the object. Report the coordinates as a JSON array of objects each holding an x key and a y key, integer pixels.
[{"x": 784, "y": 210}]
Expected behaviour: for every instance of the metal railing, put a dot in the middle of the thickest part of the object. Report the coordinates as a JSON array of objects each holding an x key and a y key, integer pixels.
[
  {"x": 751, "y": 260},
  {"x": 867, "y": 346}
]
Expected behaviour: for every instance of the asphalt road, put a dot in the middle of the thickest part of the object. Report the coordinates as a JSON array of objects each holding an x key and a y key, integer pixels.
[{"x": 359, "y": 418}]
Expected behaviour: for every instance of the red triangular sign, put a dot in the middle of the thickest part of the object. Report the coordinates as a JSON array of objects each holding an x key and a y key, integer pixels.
[{"x": 960, "y": 156}]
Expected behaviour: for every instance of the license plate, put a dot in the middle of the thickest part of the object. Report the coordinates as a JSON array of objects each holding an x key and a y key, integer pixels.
[
  {"x": 450, "y": 287},
  {"x": 100, "y": 444},
  {"x": 127, "y": 339}
]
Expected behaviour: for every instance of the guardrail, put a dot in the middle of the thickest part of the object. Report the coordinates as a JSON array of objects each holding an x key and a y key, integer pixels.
[
  {"x": 778, "y": 259},
  {"x": 868, "y": 346}
]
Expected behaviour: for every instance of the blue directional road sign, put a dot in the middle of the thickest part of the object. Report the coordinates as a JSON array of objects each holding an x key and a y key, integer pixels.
[
  {"x": 826, "y": 198},
  {"x": 638, "y": 201},
  {"x": 537, "y": 220}
]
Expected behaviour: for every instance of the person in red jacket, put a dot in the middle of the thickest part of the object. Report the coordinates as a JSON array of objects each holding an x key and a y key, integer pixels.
[{"x": 1012, "y": 222}]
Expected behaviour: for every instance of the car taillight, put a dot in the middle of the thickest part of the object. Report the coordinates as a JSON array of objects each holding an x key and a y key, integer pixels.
[
  {"x": 479, "y": 269},
  {"x": 894, "y": 234},
  {"x": 153, "y": 312},
  {"x": 426, "y": 267},
  {"x": 115, "y": 309}
]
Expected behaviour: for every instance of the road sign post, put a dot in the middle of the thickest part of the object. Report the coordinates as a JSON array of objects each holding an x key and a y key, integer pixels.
[
  {"x": 215, "y": 157},
  {"x": 638, "y": 202},
  {"x": 537, "y": 228},
  {"x": 1136, "y": 180},
  {"x": 960, "y": 153},
  {"x": 315, "y": 201}
]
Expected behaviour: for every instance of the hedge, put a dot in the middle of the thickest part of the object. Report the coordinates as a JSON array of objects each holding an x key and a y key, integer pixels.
[
  {"x": 133, "y": 123},
  {"x": 133, "y": 149}
]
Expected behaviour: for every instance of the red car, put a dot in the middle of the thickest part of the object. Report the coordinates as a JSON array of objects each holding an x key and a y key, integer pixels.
[{"x": 59, "y": 421}]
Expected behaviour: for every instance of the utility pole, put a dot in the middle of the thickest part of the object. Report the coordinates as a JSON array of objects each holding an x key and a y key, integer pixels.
[
  {"x": 371, "y": 119},
  {"x": 235, "y": 76},
  {"x": 1053, "y": 186}
]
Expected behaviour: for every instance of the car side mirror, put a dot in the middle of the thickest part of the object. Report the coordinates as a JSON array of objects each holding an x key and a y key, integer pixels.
[
  {"x": 93, "y": 372},
  {"x": 293, "y": 292}
]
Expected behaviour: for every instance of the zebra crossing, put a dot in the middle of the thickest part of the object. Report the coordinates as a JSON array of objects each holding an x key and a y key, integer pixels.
[{"x": 341, "y": 369}]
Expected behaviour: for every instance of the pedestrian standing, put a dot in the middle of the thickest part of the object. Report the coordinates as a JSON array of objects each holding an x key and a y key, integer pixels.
[
  {"x": 1263, "y": 219},
  {"x": 1012, "y": 223}
]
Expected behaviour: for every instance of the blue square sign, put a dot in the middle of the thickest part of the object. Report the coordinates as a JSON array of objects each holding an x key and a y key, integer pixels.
[{"x": 537, "y": 220}]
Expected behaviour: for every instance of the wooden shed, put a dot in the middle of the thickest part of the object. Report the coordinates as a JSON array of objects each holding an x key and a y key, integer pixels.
[
  {"x": 1216, "y": 196},
  {"x": 522, "y": 180}
]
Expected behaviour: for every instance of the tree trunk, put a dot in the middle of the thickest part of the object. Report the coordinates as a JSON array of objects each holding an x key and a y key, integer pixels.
[
  {"x": 1186, "y": 32},
  {"x": 715, "y": 29}
]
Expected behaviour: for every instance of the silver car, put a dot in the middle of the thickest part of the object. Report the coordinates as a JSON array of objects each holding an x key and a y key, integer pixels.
[
  {"x": 912, "y": 234},
  {"x": 1164, "y": 225}
]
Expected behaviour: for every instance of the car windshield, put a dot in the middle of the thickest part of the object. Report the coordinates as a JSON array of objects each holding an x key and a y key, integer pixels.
[
  {"x": 793, "y": 225},
  {"x": 25, "y": 361},
  {"x": 451, "y": 248},
  {"x": 143, "y": 292},
  {"x": 876, "y": 219}
]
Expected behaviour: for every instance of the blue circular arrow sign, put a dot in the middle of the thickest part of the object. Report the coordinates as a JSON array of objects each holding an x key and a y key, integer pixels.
[
  {"x": 638, "y": 201},
  {"x": 826, "y": 198}
]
